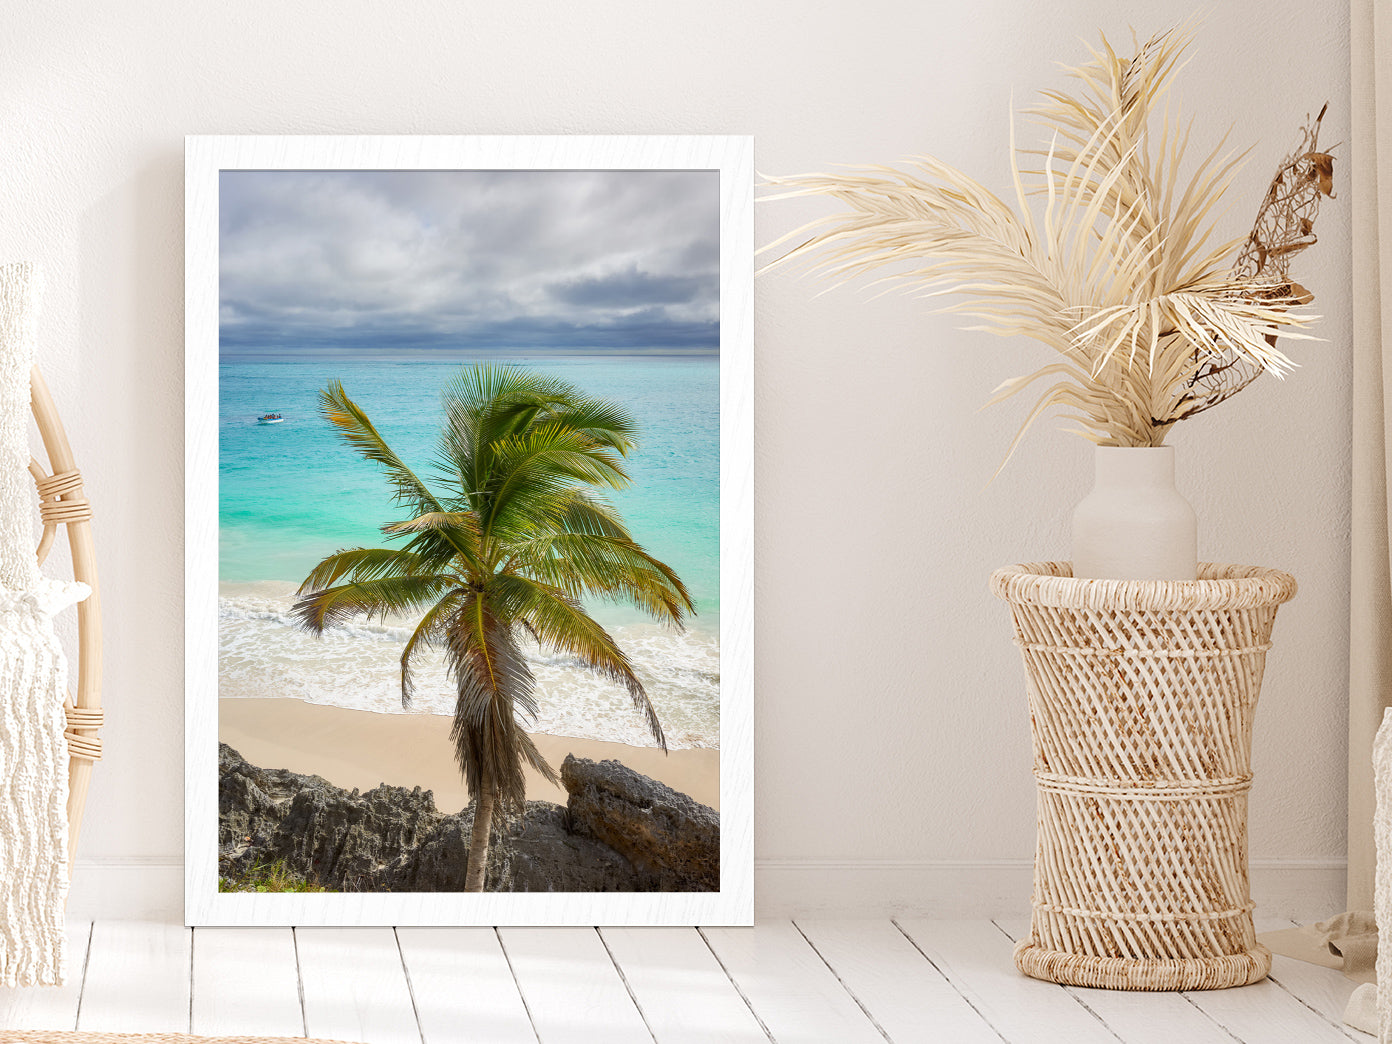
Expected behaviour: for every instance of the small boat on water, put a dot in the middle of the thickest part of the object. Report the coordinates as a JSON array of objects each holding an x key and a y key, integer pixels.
[{"x": 269, "y": 418}]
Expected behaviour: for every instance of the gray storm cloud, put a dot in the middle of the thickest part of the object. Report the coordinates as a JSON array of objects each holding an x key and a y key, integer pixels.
[{"x": 352, "y": 262}]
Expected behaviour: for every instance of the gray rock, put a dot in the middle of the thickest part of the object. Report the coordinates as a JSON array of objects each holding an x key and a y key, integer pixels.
[
  {"x": 439, "y": 860},
  {"x": 395, "y": 839},
  {"x": 249, "y": 797},
  {"x": 660, "y": 831},
  {"x": 350, "y": 839},
  {"x": 540, "y": 853}
]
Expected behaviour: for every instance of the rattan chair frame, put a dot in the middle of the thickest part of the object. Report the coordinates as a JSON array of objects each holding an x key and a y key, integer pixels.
[{"x": 63, "y": 502}]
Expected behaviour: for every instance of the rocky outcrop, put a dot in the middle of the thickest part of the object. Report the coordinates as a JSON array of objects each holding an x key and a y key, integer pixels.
[
  {"x": 659, "y": 830},
  {"x": 340, "y": 839},
  {"x": 395, "y": 839}
]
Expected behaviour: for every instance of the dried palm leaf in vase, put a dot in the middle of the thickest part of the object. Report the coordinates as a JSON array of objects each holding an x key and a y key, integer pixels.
[{"x": 1108, "y": 253}]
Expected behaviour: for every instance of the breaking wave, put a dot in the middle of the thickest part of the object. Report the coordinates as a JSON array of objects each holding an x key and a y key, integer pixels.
[{"x": 262, "y": 653}]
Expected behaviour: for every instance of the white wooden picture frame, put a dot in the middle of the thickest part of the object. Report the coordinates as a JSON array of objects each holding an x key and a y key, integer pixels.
[{"x": 207, "y": 159}]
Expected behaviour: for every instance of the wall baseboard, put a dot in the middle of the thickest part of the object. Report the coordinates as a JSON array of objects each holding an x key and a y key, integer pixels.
[
  {"x": 127, "y": 890},
  {"x": 153, "y": 890},
  {"x": 1296, "y": 889}
]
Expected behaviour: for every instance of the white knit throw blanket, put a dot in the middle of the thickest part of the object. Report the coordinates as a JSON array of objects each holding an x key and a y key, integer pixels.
[{"x": 33, "y": 682}]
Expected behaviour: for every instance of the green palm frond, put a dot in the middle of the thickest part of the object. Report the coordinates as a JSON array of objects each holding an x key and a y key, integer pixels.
[
  {"x": 579, "y": 564},
  {"x": 395, "y": 595},
  {"x": 533, "y": 757},
  {"x": 603, "y": 422},
  {"x": 442, "y": 550},
  {"x": 360, "y": 433},
  {"x": 357, "y": 429},
  {"x": 487, "y": 404},
  {"x": 583, "y": 512},
  {"x": 431, "y": 631},
  {"x": 535, "y": 478},
  {"x": 436, "y": 520},
  {"x": 362, "y": 563},
  {"x": 555, "y": 449},
  {"x": 560, "y": 623}
]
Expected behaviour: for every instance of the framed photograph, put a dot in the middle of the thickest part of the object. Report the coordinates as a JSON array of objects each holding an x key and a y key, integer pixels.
[{"x": 469, "y": 545}]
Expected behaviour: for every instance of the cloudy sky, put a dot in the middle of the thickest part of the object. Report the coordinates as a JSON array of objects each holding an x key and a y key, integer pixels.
[{"x": 422, "y": 262}]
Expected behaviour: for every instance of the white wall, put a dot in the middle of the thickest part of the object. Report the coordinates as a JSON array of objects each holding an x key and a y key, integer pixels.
[{"x": 893, "y": 757}]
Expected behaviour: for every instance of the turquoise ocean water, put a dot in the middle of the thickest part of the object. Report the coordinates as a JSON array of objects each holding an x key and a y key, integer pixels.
[{"x": 291, "y": 493}]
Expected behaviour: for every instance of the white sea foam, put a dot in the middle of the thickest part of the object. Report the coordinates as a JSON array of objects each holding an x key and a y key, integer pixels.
[{"x": 357, "y": 666}]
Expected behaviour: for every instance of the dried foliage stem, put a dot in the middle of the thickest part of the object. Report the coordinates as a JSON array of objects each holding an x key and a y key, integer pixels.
[{"x": 1119, "y": 274}]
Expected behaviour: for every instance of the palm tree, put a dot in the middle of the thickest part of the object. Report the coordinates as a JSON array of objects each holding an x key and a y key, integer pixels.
[{"x": 519, "y": 533}]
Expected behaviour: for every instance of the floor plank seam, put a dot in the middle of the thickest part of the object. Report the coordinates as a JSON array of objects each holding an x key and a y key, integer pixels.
[
  {"x": 1088, "y": 1008},
  {"x": 410, "y": 987},
  {"x": 1211, "y": 1018},
  {"x": 1319, "y": 1014},
  {"x": 996, "y": 925},
  {"x": 517, "y": 984},
  {"x": 948, "y": 979},
  {"x": 1340, "y": 1026},
  {"x": 624, "y": 979},
  {"x": 1066, "y": 989},
  {"x": 850, "y": 992},
  {"x": 299, "y": 979},
  {"x": 82, "y": 986},
  {"x": 738, "y": 989}
]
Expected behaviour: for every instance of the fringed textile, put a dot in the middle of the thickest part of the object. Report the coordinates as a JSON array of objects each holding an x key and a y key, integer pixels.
[{"x": 33, "y": 682}]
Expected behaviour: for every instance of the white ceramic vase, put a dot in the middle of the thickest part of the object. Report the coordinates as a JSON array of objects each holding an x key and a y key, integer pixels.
[{"x": 1134, "y": 525}]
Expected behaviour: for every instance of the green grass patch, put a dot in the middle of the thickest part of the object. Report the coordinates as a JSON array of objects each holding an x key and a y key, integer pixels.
[{"x": 267, "y": 877}]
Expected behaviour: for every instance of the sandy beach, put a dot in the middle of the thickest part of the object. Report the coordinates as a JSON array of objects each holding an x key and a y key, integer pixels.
[{"x": 361, "y": 749}]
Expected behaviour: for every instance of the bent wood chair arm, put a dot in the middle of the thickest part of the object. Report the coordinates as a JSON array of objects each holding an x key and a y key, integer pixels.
[{"x": 63, "y": 502}]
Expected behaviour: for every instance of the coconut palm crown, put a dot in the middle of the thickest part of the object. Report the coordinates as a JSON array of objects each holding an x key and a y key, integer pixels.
[
  {"x": 517, "y": 534},
  {"x": 1120, "y": 272}
]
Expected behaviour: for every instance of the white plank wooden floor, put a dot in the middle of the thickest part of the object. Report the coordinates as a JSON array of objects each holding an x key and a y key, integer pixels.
[{"x": 816, "y": 981}]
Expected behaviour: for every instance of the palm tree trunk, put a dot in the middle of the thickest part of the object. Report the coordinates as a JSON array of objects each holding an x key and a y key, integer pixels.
[{"x": 478, "y": 843}]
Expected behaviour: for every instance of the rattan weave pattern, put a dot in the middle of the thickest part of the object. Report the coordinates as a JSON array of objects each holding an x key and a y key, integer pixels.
[{"x": 1141, "y": 698}]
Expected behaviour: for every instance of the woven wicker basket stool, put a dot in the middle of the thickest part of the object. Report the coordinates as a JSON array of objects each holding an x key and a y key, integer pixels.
[{"x": 1141, "y": 696}]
